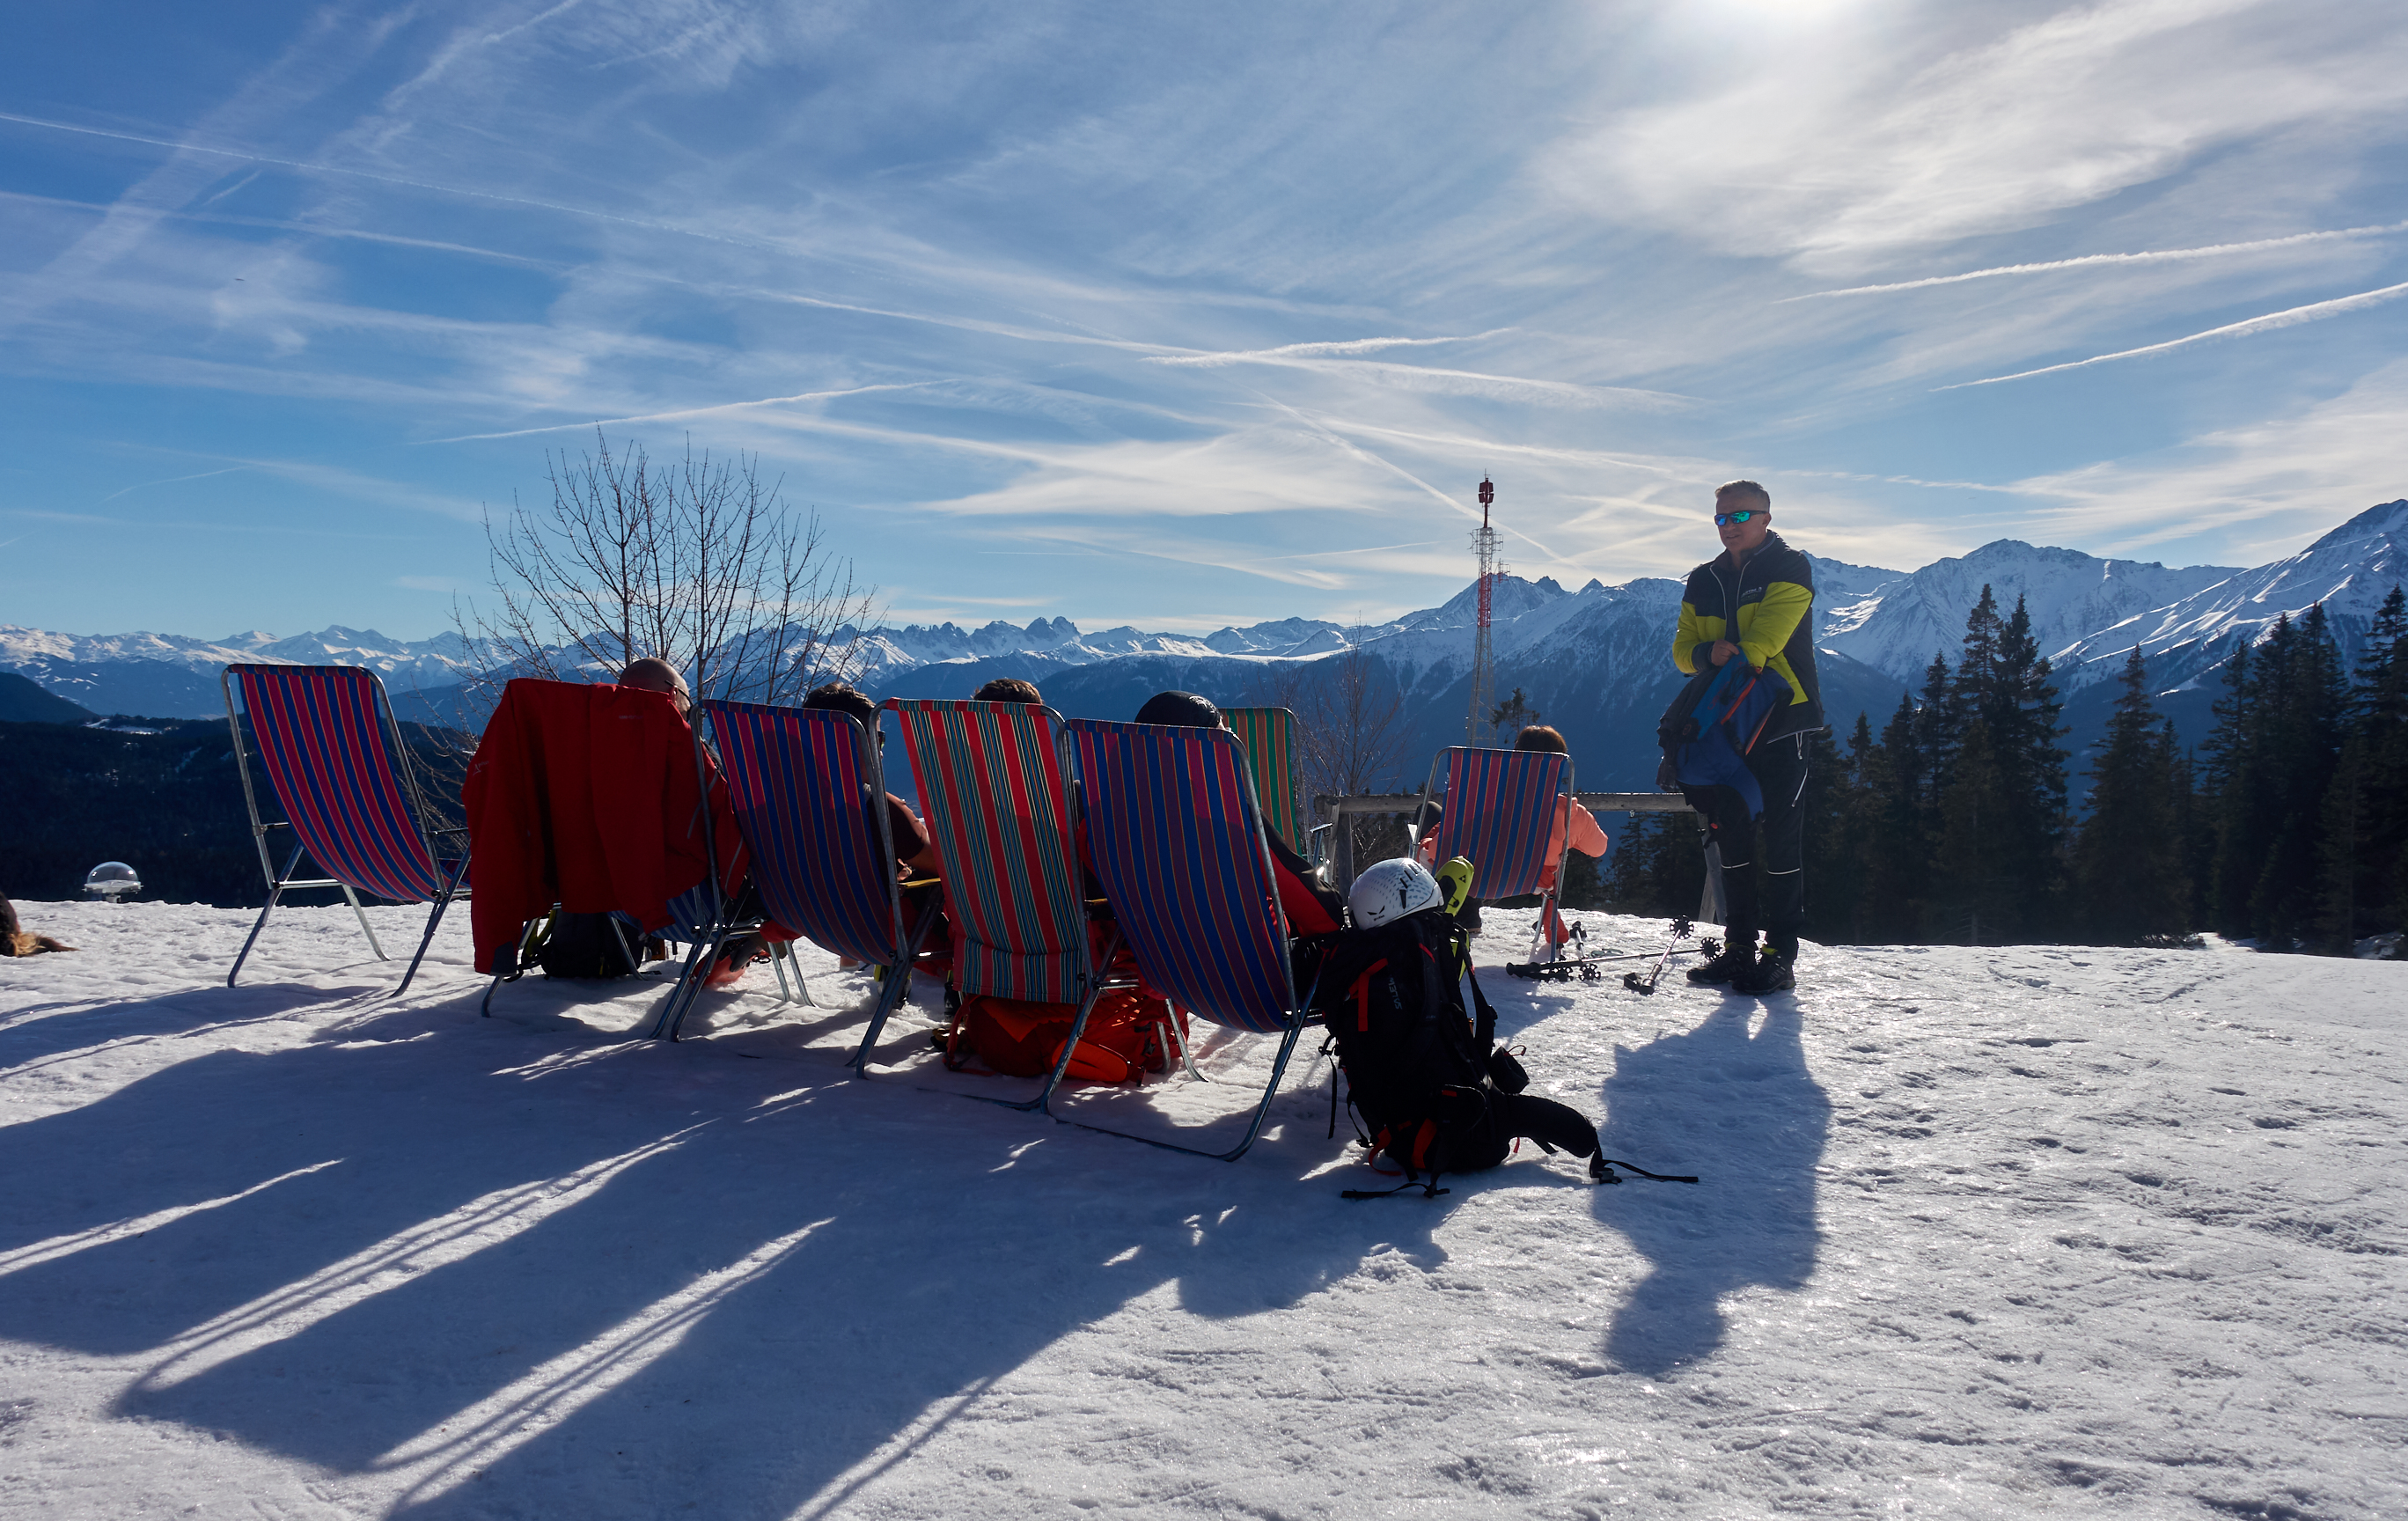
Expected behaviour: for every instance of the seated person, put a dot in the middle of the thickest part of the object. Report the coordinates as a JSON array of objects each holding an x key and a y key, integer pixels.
[
  {"x": 915, "y": 856},
  {"x": 1007, "y": 689},
  {"x": 1312, "y": 909},
  {"x": 911, "y": 847},
  {"x": 653, "y": 674},
  {"x": 650, "y": 673},
  {"x": 1575, "y": 828}
]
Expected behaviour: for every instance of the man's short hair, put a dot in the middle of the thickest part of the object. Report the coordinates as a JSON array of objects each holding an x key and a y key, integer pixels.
[
  {"x": 1540, "y": 737},
  {"x": 1007, "y": 689},
  {"x": 1745, "y": 488},
  {"x": 843, "y": 699}
]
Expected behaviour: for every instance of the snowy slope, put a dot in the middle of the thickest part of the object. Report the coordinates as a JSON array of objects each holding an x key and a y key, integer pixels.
[
  {"x": 1982, "y": 1233},
  {"x": 2350, "y": 570},
  {"x": 1898, "y": 629}
]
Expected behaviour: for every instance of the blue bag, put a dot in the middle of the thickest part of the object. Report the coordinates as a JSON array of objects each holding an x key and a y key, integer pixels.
[{"x": 1714, "y": 724}]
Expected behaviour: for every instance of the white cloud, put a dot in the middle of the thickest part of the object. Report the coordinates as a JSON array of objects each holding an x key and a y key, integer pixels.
[{"x": 1860, "y": 142}]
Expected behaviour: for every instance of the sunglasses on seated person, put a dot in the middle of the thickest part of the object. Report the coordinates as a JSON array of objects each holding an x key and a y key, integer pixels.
[{"x": 1745, "y": 514}]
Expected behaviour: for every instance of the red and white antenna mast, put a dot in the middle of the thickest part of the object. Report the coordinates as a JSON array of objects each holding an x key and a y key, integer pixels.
[{"x": 1481, "y": 721}]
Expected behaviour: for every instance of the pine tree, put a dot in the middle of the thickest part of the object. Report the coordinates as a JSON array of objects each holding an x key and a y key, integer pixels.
[
  {"x": 2235, "y": 810},
  {"x": 1826, "y": 807},
  {"x": 2195, "y": 840},
  {"x": 1971, "y": 893},
  {"x": 1893, "y": 783},
  {"x": 2379, "y": 720},
  {"x": 2337, "y": 848},
  {"x": 2302, "y": 699},
  {"x": 2004, "y": 802},
  {"x": 2130, "y": 885},
  {"x": 1856, "y": 914}
]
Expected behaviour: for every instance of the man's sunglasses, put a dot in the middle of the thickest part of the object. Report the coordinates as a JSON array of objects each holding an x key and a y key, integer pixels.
[{"x": 1745, "y": 515}]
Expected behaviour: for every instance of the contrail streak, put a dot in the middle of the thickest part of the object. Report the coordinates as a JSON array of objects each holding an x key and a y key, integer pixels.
[
  {"x": 2211, "y": 251},
  {"x": 1340, "y": 346},
  {"x": 381, "y": 179},
  {"x": 689, "y": 411},
  {"x": 2317, "y": 311}
]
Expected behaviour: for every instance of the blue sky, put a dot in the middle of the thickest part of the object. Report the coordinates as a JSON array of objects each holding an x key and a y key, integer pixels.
[{"x": 1186, "y": 317}]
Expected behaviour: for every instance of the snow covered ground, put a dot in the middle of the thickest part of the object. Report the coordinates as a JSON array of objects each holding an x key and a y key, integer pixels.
[{"x": 1982, "y": 1232}]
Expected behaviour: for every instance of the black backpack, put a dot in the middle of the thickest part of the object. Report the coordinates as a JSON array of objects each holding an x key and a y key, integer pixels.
[
  {"x": 1421, "y": 1071},
  {"x": 588, "y": 945}
]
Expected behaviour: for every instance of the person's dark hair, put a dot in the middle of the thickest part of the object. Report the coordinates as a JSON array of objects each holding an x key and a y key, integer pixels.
[
  {"x": 844, "y": 699},
  {"x": 1540, "y": 737},
  {"x": 1181, "y": 710},
  {"x": 1007, "y": 689},
  {"x": 1745, "y": 488}
]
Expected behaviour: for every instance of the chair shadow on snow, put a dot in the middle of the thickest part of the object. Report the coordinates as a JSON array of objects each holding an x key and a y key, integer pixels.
[
  {"x": 1739, "y": 1109},
  {"x": 557, "y": 1271}
]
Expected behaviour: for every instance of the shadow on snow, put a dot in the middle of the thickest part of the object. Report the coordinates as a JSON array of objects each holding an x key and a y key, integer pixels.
[{"x": 612, "y": 1274}]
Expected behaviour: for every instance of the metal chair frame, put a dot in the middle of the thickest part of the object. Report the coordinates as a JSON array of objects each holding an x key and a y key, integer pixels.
[
  {"x": 1086, "y": 980},
  {"x": 1136, "y": 896},
  {"x": 279, "y": 883},
  {"x": 872, "y": 776}
]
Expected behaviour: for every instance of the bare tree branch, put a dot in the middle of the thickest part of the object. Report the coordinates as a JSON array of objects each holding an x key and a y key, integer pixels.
[{"x": 702, "y": 565}]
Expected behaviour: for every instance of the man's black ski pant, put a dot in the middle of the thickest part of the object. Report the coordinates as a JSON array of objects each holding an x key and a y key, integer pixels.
[{"x": 1778, "y": 907}]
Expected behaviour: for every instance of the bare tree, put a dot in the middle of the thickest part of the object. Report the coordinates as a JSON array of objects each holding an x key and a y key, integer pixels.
[
  {"x": 1350, "y": 717},
  {"x": 700, "y": 563}
]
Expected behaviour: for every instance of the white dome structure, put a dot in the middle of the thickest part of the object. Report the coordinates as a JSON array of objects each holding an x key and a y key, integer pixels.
[{"x": 112, "y": 880}]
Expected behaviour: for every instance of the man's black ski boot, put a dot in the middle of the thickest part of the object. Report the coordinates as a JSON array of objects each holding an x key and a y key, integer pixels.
[
  {"x": 1772, "y": 973},
  {"x": 1738, "y": 959}
]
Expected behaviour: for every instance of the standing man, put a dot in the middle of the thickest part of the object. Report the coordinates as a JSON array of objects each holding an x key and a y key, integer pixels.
[{"x": 1755, "y": 602}]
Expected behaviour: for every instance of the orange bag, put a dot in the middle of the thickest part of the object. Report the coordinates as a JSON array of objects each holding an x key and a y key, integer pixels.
[{"x": 1023, "y": 1039}]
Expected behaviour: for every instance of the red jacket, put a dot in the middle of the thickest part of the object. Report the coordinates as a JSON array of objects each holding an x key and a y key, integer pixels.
[{"x": 587, "y": 797}]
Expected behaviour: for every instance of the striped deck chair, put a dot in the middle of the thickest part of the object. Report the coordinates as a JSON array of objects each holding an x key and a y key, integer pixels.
[
  {"x": 1177, "y": 839},
  {"x": 334, "y": 756},
  {"x": 798, "y": 780},
  {"x": 1501, "y": 815},
  {"x": 992, "y": 791},
  {"x": 1268, "y": 735}
]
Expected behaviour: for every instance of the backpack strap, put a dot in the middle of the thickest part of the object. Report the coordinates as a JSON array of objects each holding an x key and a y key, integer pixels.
[{"x": 1485, "y": 1016}]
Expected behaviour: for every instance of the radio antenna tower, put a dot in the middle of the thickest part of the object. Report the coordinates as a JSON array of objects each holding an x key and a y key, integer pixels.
[{"x": 1483, "y": 661}]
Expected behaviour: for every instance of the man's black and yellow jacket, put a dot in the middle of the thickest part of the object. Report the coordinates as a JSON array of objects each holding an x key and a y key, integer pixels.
[{"x": 1769, "y": 602}]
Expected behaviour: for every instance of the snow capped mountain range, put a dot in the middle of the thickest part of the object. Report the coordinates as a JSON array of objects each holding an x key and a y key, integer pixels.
[{"x": 1592, "y": 661}]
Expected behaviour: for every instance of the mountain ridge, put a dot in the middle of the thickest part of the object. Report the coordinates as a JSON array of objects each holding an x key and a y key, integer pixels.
[{"x": 1592, "y": 660}]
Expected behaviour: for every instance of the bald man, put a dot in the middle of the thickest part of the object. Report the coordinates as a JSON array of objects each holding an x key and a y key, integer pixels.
[{"x": 653, "y": 674}]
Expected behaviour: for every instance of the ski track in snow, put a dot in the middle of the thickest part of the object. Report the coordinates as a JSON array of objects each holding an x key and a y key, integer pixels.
[{"x": 2040, "y": 1231}]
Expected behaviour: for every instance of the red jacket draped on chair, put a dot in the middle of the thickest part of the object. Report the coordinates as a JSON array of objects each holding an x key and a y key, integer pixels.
[{"x": 587, "y": 797}]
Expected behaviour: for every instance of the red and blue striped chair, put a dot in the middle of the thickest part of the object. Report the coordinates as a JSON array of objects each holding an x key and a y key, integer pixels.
[
  {"x": 334, "y": 756},
  {"x": 1501, "y": 813},
  {"x": 799, "y": 781},
  {"x": 997, "y": 805},
  {"x": 1175, "y": 832}
]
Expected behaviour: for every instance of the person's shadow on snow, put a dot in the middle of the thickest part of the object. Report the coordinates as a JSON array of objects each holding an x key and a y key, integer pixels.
[{"x": 1732, "y": 1102}]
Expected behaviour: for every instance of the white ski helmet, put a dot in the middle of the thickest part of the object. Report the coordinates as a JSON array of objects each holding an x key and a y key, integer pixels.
[{"x": 1389, "y": 890}]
